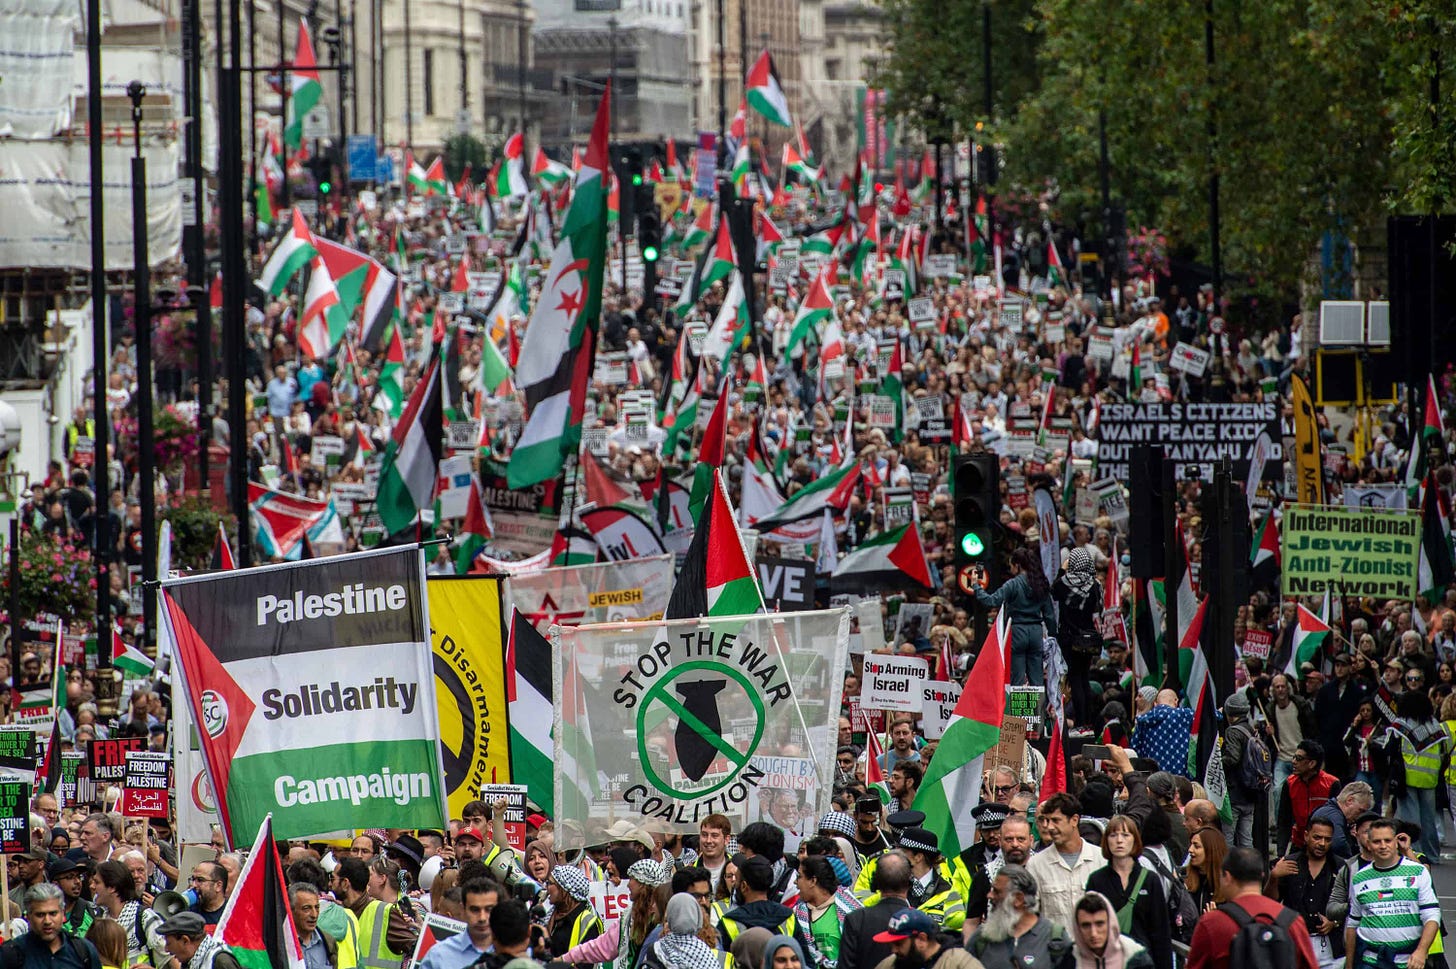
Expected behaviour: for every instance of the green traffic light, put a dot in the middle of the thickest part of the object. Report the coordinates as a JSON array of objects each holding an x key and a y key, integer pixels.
[
  {"x": 972, "y": 544},
  {"x": 637, "y": 179},
  {"x": 649, "y": 253},
  {"x": 324, "y": 187}
]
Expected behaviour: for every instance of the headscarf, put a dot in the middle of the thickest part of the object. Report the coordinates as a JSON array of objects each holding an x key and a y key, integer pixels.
[
  {"x": 623, "y": 859},
  {"x": 1080, "y": 576},
  {"x": 679, "y": 946},
  {"x": 747, "y": 949},
  {"x": 775, "y": 944}
]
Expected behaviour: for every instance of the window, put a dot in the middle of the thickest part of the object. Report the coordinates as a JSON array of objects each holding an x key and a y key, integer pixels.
[{"x": 429, "y": 82}]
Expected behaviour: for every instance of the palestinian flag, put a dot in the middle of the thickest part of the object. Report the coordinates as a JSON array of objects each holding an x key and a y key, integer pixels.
[
  {"x": 717, "y": 579},
  {"x": 556, "y": 361},
  {"x": 730, "y": 328},
  {"x": 700, "y": 231},
  {"x": 1433, "y": 434},
  {"x": 795, "y": 163},
  {"x": 366, "y": 289},
  {"x": 435, "y": 181},
  {"x": 722, "y": 262},
  {"x": 222, "y": 552},
  {"x": 363, "y": 446},
  {"x": 1147, "y": 633},
  {"x": 1205, "y": 762},
  {"x": 715, "y": 435},
  {"x": 685, "y": 408},
  {"x": 281, "y": 520},
  {"x": 305, "y": 88},
  {"x": 826, "y": 243},
  {"x": 764, "y": 92},
  {"x": 324, "y": 320},
  {"x": 883, "y": 562},
  {"x": 415, "y": 179},
  {"x": 813, "y": 313},
  {"x": 1056, "y": 273},
  {"x": 769, "y": 237},
  {"x": 952, "y": 785},
  {"x": 510, "y": 175},
  {"x": 476, "y": 529},
  {"x": 1310, "y": 635},
  {"x": 391, "y": 375},
  {"x": 832, "y": 490},
  {"x": 874, "y": 771},
  {"x": 1435, "y": 570},
  {"x": 548, "y": 172},
  {"x": 257, "y": 924},
  {"x": 1264, "y": 556},
  {"x": 133, "y": 663},
  {"x": 892, "y": 385},
  {"x": 295, "y": 249},
  {"x": 528, "y": 702},
  {"x": 495, "y": 371},
  {"x": 742, "y": 167},
  {"x": 412, "y": 458},
  {"x": 738, "y": 127}
]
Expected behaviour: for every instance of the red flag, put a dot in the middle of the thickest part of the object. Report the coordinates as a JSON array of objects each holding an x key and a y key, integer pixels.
[{"x": 715, "y": 436}]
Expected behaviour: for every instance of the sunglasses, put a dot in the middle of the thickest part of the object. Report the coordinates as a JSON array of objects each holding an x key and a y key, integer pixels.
[
  {"x": 1415, "y": 679},
  {"x": 1006, "y": 789}
]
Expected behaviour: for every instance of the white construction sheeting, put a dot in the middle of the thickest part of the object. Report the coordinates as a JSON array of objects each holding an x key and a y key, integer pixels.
[
  {"x": 37, "y": 41},
  {"x": 45, "y": 198}
]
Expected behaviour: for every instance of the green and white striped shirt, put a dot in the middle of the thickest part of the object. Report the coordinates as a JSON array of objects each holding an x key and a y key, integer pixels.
[{"x": 1388, "y": 908}]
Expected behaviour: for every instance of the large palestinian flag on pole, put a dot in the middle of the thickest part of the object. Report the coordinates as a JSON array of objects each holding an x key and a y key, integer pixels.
[
  {"x": 952, "y": 785},
  {"x": 560, "y": 345},
  {"x": 313, "y": 688},
  {"x": 886, "y": 561},
  {"x": 305, "y": 88},
  {"x": 257, "y": 923},
  {"x": 764, "y": 92}
]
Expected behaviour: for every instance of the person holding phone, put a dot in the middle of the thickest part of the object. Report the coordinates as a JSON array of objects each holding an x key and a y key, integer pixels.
[{"x": 1028, "y": 600}]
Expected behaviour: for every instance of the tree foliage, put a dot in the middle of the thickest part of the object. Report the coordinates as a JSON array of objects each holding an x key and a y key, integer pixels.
[
  {"x": 461, "y": 149},
  {"x": 1320, "y": 111}
]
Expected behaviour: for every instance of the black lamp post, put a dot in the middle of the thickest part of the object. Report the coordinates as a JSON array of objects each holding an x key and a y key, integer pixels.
[{"x": 146, "y": 488}]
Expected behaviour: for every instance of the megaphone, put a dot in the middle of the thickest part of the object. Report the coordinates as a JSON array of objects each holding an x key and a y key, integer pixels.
[
  {"x": 504, "y": 867},
  {"x": 168, "y": 904}
]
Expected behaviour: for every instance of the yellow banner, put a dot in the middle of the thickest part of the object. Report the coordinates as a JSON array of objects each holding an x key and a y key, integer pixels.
[
  {"x": 470, "y": 684},
  {"x": 1309, "y": 478}
]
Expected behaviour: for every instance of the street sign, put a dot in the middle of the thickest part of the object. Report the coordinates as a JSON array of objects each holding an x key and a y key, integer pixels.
[
  {"x": 363, "y": 158},
  {"x": 317, "y": 124}
]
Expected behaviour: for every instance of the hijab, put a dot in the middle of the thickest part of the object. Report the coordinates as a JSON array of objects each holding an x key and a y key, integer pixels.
[
  {"x": 747, "y": 949},
  {"x": 679, "y": 946},
  {"x": 779, "y": 942}
]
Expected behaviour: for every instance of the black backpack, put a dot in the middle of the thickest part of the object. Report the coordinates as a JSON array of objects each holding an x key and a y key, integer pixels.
[
  {"x": 1182, "y": 910},
  {"x": 1259, "y": 944}
]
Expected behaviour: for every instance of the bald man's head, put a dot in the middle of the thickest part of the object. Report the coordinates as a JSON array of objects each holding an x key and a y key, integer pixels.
[
  {"x": 1200, "y": 813},
  {"x": 1167, "y": 698}
]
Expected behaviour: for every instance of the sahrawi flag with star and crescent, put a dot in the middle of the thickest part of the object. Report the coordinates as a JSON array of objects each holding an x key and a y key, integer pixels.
[{"x": 557, "y": 353}]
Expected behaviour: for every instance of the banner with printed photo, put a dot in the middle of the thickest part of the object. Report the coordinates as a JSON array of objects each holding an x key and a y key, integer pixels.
[
  {"x": 700, "y": 716},
  {"x": 195, "y": 803},
  {"x": 599, "y": 592},
  {"x": 467, "y": 640},
  {"x": 313, "y": 686}
]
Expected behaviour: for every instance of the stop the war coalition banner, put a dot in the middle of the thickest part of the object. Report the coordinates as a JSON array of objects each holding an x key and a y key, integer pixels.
[
  {"x": 1188, "y": 434},
  {"x": 313, "y": 690},
  {"x": 668, "y": 722}
]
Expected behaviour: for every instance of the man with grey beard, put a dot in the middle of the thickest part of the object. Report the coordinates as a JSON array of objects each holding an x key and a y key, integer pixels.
[{"x": 1013, "y": 935}]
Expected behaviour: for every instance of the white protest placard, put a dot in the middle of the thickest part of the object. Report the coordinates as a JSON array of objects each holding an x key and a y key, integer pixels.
[
  {"x": 882, "y": 411},
  {"x": 1099, "y": 344},
  {"x": 324, "y": 447},
  {"x": 1189, "y": 359},
  {"x": 939, "y": 265},
  {"x": 893, "y": 682},
  {"x": 938, "y": 700},
  {"x": 594, "y": 439},
  {"x": 347, "y": 497},
  {"x": 450, "y": 303},
  {"x": 610, "y": 901},
  {"x": 1056, "y": 332},
  {"x": 871, "y": 623},
  {"x": 462, "y": 435},
  {"x": 921, "y": 310},
  {"x": 612, "y": 369},
  {"x": 1011, "y": 313}
]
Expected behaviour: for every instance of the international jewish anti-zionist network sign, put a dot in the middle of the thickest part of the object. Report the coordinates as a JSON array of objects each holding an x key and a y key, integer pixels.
[
  {"x": 601, "y": 592},
  {"x": 1352, "y": 551},
  {"x": 313, "y": 690},
  {"x": 467, "y": 641},
  {"x": 668, "y": 722}
]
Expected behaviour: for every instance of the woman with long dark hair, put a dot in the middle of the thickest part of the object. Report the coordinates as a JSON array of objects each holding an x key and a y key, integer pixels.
[
  {"x": 1028, "y": 599},
  {"x": 1079, "y": 601}
]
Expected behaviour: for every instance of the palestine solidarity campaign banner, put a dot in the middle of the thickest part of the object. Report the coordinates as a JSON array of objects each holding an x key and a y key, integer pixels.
[
  {"x": 313, "y": 689},
  {"x": 734, "y": 715}
]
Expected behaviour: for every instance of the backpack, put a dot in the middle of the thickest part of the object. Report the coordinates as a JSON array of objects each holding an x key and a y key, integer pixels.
[
  {"x": 1256, "y": 766},
  {"x": 1259, "y": 944},
  {"x": 1182, "y": 910}
]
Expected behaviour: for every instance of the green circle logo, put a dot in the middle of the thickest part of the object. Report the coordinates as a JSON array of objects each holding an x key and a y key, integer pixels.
[{"x": 698, "y": 739}]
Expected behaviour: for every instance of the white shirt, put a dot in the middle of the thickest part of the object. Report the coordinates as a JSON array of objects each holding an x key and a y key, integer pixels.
[{"x": 1061, "y": 885}]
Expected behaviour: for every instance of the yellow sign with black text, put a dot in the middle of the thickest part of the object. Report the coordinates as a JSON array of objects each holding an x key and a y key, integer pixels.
[{"x": 468, "y": 642}]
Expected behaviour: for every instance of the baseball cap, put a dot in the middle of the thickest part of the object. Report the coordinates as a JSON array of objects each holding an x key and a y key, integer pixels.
[
  {"x": 906, "y": 923},
  {"x": 469, "y": 833}
]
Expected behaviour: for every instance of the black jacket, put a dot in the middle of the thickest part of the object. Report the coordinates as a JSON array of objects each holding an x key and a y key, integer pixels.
[
  {"x": 766, "y": 915},
  {"x": 857, "y": 946},
  {"x": 1149, "y": 913}
]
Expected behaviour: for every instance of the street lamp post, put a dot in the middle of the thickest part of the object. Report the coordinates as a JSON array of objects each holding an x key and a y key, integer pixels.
[{"x": 146, "y": 489}]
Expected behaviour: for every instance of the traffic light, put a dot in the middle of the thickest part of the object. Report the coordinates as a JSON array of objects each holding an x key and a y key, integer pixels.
[
  {"x": 649, "y": 238},
  {"x": 323, "y": 172},
  {"x": 976, "y": 492}
]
